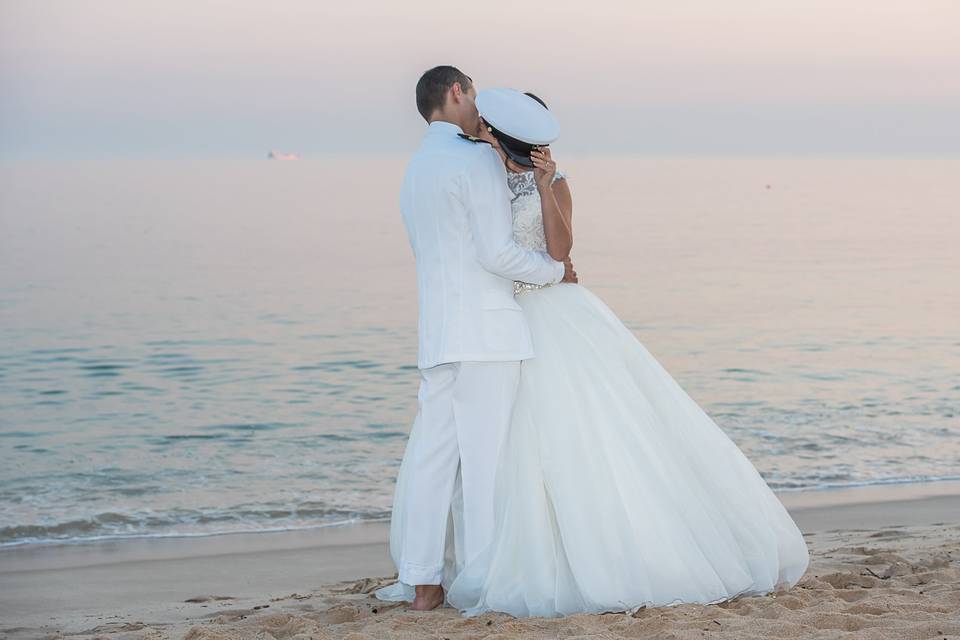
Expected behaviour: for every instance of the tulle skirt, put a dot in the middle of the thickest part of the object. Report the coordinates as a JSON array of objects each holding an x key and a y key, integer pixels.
[{"x": 615, "y": 490}]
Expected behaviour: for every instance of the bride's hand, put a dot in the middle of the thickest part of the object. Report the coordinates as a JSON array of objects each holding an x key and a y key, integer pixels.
[{"x": 544, "y": 168}]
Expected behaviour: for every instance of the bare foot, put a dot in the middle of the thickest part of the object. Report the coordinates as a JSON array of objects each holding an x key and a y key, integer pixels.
[{"x": 429, "y": 596}]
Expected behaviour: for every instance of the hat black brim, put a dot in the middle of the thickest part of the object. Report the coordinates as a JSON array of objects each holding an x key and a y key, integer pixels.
[
  {"x": 516, "y": 150},
  {"x": 521, "y": 159}
]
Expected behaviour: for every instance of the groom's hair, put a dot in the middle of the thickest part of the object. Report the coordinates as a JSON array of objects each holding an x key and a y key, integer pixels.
[{"x": 433, "y": 86}]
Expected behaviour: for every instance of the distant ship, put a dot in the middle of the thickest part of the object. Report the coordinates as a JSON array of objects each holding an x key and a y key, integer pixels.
[{"x": 279, "y": 155}]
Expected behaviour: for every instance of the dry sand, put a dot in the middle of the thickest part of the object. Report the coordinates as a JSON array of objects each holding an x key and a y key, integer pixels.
[{"x": 899, "y": 580}]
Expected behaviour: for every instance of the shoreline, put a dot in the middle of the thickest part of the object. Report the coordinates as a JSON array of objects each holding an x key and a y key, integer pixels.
[
  {"x": 70, "y": 588},
  {"x": 791, "y": 498}
]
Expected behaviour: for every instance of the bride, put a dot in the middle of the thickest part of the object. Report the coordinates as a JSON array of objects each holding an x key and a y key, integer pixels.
[{"x": 614, "y": 489}]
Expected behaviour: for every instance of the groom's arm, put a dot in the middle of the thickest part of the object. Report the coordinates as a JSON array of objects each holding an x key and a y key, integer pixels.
[{"x": 487, "y": 200}]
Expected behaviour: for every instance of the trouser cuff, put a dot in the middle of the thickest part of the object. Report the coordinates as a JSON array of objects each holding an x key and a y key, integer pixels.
[{"x": 416, "y": 574}]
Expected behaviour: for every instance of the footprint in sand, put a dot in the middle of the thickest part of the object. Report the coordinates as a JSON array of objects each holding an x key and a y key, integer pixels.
[
  {"x": 364, "y": 585},
  {"x": 866, "y": 609},
  {"x": 208, "y": 598},
  {"x": 843, "y": 580},
  {"x": 339, "y": 614}
]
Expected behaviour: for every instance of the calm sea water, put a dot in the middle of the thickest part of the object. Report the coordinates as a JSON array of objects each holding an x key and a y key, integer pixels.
[{"x": 203, "y": 347}]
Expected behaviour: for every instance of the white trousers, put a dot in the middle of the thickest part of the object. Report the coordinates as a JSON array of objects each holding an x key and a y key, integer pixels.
[{"x": 464, "y": 410}]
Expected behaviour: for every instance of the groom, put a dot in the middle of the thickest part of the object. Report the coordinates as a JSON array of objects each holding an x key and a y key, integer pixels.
[{"x": 472, "y": 334}]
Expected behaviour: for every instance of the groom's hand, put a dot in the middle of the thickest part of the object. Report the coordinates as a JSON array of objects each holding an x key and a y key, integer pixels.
[{"x": 569, "y": 275}]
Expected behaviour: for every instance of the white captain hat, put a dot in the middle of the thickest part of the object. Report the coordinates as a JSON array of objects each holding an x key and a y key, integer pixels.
[{"x": 519, "y": 122}]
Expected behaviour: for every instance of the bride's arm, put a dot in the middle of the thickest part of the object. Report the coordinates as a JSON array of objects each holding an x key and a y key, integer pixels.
[{"x": 556, "y": 205}]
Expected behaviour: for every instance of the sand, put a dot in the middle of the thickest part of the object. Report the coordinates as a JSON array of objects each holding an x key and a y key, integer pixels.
[{"x": 885, "y": 563}]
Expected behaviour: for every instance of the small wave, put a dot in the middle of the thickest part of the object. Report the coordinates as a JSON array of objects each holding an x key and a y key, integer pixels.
[
  {"x": 186, "y": 534},
  {"x": 788, "y": 486},
  {"x": 253, "y": 426},
  {"x": 115, "y": 526}
]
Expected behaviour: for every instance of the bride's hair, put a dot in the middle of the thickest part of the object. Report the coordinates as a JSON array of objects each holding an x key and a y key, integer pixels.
[
  {"x": 433, "y": 86},
  {"x": 537, "y": 99}
]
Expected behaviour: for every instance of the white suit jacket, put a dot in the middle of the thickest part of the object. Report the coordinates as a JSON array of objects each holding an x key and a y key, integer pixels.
[{"x": 455, "y": 205}]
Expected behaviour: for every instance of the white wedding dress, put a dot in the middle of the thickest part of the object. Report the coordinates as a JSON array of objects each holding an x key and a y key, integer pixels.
[{"x": 615, "y": 490}]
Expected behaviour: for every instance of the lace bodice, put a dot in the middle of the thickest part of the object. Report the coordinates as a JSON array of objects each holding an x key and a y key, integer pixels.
[{"x": 527, "y": 216}]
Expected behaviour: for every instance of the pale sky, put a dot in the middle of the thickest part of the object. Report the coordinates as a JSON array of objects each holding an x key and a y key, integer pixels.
[{"x": 198, "y": 78}]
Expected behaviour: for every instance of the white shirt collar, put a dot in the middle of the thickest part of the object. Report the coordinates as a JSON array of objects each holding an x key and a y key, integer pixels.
[{"x": 442, "y": 126}]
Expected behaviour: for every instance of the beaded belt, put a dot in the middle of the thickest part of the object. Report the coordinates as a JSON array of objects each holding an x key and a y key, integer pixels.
[{"x": 521, "y": 287}]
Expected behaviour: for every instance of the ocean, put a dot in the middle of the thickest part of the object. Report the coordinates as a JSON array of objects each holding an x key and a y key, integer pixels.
[{"x": 196, "y": 347}]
